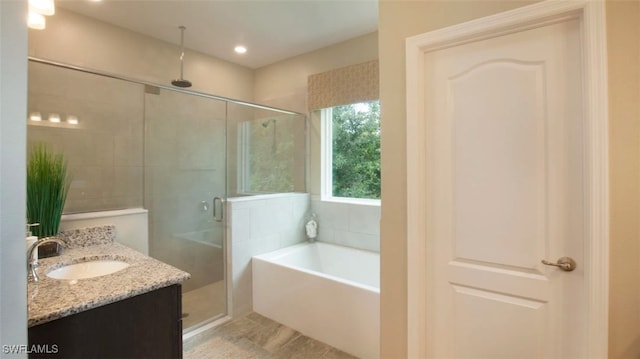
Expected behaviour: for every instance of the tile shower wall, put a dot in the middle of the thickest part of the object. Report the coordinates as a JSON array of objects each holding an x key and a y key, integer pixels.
[
  {"x": 256, "y": 225},
  {"x": 348, "y": 224},
  {"x": 184, "y": 159},
  {"x": 104, "y": 149},
  {"x": 184, "y": 170},
  {"x": 265, "y": 151}
]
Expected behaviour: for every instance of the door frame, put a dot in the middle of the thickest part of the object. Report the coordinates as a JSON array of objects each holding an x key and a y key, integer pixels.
[{"x": 596, "y": 161}]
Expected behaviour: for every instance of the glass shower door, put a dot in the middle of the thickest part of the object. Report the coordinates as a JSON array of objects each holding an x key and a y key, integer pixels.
[{"x": 184, "y": 170}]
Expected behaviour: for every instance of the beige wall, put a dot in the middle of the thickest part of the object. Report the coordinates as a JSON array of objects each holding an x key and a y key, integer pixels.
[
  {"x": 623, "y": 37},
  {"x": 76, "y": 39},
  {"x": 284, "y": 84},
  {"x": 399, "y": 20}
]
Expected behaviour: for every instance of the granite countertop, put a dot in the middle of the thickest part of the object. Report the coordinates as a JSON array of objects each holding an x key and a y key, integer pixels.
[{"x": 50, "y": 299}]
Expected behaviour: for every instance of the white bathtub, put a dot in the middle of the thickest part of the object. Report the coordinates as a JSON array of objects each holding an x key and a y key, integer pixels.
[{"x": 328, "y": 292}]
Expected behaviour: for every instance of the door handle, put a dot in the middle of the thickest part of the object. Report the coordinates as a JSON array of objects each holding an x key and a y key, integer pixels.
[
  {"x": 215, "y": 212},
  {"x": 565, "y": 263}
]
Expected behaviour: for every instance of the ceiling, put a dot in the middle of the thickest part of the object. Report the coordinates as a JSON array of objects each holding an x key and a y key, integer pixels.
[{"x": 272, "y": 30}]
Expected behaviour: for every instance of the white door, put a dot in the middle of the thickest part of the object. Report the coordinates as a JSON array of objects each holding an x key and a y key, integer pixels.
[{"x": 506, "y": 183}]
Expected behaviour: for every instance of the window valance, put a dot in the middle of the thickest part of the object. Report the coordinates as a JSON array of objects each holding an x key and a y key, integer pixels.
[{"x": 350, "y": 84}]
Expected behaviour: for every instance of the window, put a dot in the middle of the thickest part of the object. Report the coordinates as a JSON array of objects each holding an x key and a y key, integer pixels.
[{"x": 351, "y": 151}]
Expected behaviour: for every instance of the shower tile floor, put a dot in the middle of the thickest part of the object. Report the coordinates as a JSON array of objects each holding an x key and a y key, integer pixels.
[
  {"x": 202, "y": 303},
  {"x": 254, "y": 336}
]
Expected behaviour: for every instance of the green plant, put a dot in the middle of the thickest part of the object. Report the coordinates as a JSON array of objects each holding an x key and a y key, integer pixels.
[
  {"x": 356, "y": 150},
  {"x": 47, "y": 188}
]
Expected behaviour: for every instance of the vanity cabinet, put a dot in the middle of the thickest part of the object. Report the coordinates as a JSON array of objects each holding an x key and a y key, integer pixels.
[{"x": 144, "y": 326}]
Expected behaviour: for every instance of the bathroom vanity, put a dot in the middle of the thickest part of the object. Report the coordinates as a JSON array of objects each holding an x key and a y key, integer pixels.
[{"x": 134, "y": 312}]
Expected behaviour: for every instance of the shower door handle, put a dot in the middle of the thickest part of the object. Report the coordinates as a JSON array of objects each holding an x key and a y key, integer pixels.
[{"x": 215, "y": 212}]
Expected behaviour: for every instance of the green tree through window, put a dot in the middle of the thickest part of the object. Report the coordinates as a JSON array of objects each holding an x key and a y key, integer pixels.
[{"x": 356, "y": 150}]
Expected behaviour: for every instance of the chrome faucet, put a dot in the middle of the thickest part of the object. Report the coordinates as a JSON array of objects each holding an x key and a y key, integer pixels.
[{"x": 32, "y": 261}]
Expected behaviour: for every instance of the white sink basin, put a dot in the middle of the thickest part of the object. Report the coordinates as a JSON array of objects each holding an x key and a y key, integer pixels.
[{"x": 88, "y": 269}]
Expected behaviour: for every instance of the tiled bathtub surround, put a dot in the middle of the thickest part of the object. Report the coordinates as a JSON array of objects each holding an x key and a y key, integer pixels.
[
  {"x": 256, "y": 225},
  {"x": 348, "y": 224}
]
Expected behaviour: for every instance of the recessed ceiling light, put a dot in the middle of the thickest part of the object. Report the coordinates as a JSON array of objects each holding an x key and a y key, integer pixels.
[{"x": 240, "y": 49}]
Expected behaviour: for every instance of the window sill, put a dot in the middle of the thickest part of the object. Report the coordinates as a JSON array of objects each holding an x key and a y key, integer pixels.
[{"x": 359, "y": 201}]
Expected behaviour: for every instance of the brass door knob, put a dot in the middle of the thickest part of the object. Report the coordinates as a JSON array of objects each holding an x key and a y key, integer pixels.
[{"x": 565, "y": 263}]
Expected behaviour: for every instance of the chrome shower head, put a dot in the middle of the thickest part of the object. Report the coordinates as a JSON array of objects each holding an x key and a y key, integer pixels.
[
  {"x": 181, "y": 82},
  {"x": 266, "y": 123}
]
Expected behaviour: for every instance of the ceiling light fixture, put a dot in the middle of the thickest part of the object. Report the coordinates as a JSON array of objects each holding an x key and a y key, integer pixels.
[
  {"x": 37, "y": 10},
  {"x": 36, "y": 21},
  {"x": 72, "y": 120},
  {"x": 35, "y": 116},
  {"x": 240, "y": 49},
  {"x": 54, "y": 117},
  {"x": 42, "y": 7}
]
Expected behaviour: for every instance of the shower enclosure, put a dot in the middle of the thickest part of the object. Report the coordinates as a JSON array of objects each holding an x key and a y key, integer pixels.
[
  {"x": 185, "y": 168},
  {"x": 177, "y": 153}
]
